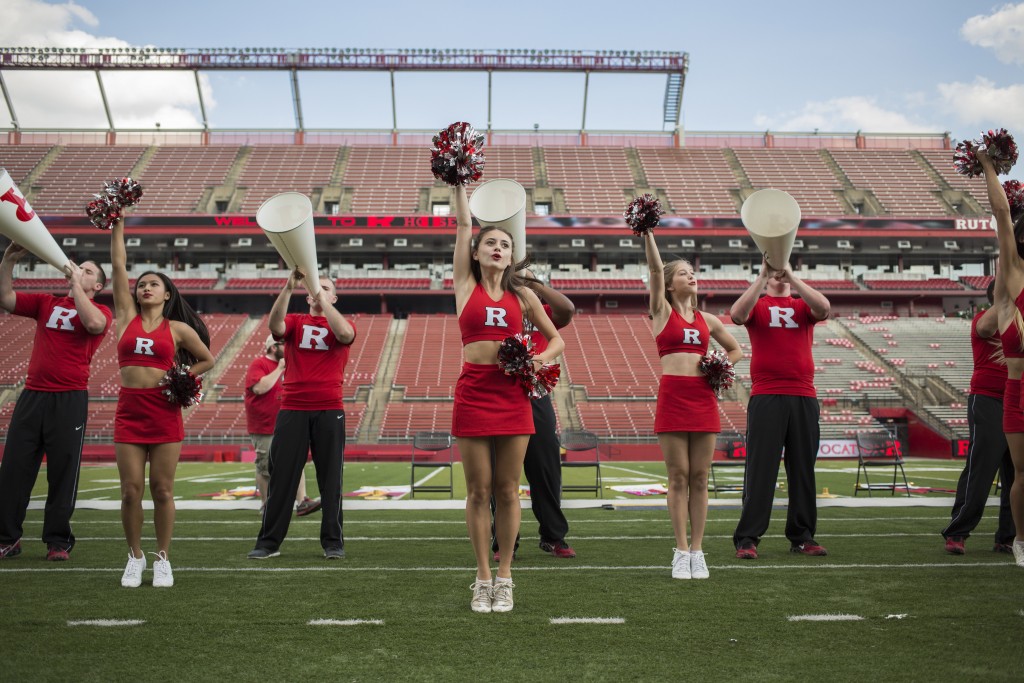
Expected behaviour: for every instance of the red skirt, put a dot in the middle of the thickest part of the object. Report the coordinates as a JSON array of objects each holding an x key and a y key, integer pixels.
[
  {"x": 146, "y": 416},
  {"x": 686, "y": 404},
  {"x": 1013, "y": 414},
  {"x": 490, "y": 403}
]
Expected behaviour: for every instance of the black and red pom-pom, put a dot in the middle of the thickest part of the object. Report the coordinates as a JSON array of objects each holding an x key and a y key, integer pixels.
[
  {"x": 718, "y": 370},
  {"x": 182, "y": 387},
  {"x": 107, "y": 207},
  {"x": 544, "y": 380},
  {"x": 515, "y": 355},
  {"x": 457, "y": 157},
  {"x": 1014, "y": 190},
  {"x": 998, "y": 144},
  {"x": 643, "y": 214}
]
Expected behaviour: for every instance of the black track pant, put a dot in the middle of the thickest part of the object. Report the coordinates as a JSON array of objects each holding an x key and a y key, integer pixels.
[
  {"x": 296, "y": 433},
  {"x": 987, "y": 453},
  {"x": 774, "y": 422},
  {"x": 43, "y": 422},
  {"x": 543, "y": 470}
]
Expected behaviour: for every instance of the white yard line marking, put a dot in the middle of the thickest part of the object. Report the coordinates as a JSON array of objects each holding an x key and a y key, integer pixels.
[
  {"x": 587, "y": 620},
  {"x": 825, "y": 617},
  {"x": 809, "y": 567},
  {"x": 42, "y": 496},
  {"x": 462, "y": 539},
  {"x": 896, "y": 616},
  {"x": 345, "y": 622},
  {"x": 660, "y": 477},
  {"x": 107, "y": 622}
]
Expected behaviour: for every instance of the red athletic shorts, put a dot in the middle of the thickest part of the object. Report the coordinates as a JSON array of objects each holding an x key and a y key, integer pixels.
[
  {"x": 146, "y": 416},
  {"x": 490, "y": 403},
  {"x": 686, "y": 404},
  {"x": 1013, "y": 414}
]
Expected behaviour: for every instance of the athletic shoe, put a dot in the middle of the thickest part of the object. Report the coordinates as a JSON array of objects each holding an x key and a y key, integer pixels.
[
  {"x": 334, "y": 553},
  {"x": 746, "y": 551},
  {"x": 481, "y": 601},
  {"x": 501, "y": 596},
  {"x": 163, "y": 577},
  {"x": 9, "y": 551},
  {"x": 809, "y": 548},
  {"x": 262, "y": 554},
  {"x": 55, "y": 554},
  {"x": 1003, "y": 548},
  {"x": 307, "y": 507},
  {"x": 680, "y": 564},
  {"x": 558, "y": 549},
  {"x": 1018, "y": 553},
  {"x": 132, "y": 577},
  {"x": 955, "y": 545},
  {"x": 698, "y": 567}
]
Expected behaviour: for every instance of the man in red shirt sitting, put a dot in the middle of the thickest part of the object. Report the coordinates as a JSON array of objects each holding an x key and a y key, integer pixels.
[
  {"x": 312, "y": 416},
  {"x": 263, "y": 388},
  {"x": 783, "y": 408},
  {"x": 50, "y": 414}
]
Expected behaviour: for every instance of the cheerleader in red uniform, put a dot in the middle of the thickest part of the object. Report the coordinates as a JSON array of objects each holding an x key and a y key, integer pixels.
[
  {"x": 492, "y": 408},
  {"x": 1009, "y": 300},
  {"x": 155, "y": 329},
  {"x": 686, "y": 419}
]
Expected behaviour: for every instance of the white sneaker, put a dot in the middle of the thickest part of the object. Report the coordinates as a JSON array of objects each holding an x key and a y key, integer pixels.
[
  {"x": 698, "y": 567},
  {"x": 481, "y": 601},
  {"x": 132, "y": 577},
  {"x": 680, "y": 564},
  {"x": 501, "y": 594},
  {"x": 1018, "y": 553},
  {"x": 162, "y": 575}
]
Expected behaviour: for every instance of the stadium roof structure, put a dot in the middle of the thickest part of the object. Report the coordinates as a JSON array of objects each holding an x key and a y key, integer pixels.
[{"x": 674, "y": 65}]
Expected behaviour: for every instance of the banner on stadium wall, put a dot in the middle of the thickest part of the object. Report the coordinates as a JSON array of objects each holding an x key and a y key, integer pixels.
[
  {"x": 555, "y": 224},
  {"x": 837, "y": 448}
]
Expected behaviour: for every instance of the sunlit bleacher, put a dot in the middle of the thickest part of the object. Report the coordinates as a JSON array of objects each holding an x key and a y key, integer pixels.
[
  {"x": 596, "y": 180},
  {"x": 697, "y": 182},
  {"x": 901, "y": 185},
  {"x": 282, "y": 168},
  {"x": 77, "y": 173},
  {"x": 177, "y": 178},
  {"x": 801, "y": 173}
]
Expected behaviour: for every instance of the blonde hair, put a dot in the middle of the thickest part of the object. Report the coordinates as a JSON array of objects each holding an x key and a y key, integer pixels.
[{"x": 669, "y": 272}]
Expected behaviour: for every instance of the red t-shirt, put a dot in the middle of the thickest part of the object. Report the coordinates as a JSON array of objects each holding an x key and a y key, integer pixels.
[
  {"x": 261, "y": 409},
  {"x": 989, "y": 377},
  {"x": 63, "y": 348},
  {"x": 781, "y": 332},
  {"x": 316, "y": 364},
  {"x": 540, "y": 342}
]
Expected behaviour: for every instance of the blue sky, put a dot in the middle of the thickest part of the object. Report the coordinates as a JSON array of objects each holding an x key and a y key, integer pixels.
[{"x": 907, "y": 66}]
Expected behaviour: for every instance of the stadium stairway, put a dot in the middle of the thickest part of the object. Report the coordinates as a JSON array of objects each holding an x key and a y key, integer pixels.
[
  {"x": 382, "y": 391},
  {"x": 227, "y": 355}
]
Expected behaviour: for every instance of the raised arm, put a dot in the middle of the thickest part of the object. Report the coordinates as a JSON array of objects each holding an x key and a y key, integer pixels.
[
  {"x": 92, "y": 318},
  {"x": 280, "y": 307},
  {"x": 9, "y": 297},
  {"x": 1011, "y": 269},
  {"x": 656, "y": 281},
  {"x": 462, "y": 273},
  {"x": 562, "y": 309},
  {"x": 740, "y": 310},
  {"x": 124, "y": 302},
  {"x": 343, "y": 330},
  {"x": 818, "y": 302}
]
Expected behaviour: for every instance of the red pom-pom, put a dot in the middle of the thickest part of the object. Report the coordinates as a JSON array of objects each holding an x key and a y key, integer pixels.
[
  {"x": 998, "y": 144},
  {"x": 182, "y": 387},
  {"x": 457, "y": 157},
  {"x": 103, "y": 211},
  {"x": 643, "y": 213},
  {"x": 515, "y": 355},
  {"x": 1015, "y": 195},
  {"x": 718, "y": 370},
  {"x": 544, "y": 380},
  {"x": 125, "y": 190}
]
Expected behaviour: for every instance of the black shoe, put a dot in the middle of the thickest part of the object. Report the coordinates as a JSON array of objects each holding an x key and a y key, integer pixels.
[
  {"x": 334, "y": 553},
  {"x": 262, "y": 554}
]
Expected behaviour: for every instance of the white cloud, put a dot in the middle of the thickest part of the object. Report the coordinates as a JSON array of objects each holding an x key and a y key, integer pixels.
[
  {"x": 984, "y": 104},
  {"x": 1002, "y": 32},
  {"x": 845, "y": 114},
  {"x": 72, "y": 100}
]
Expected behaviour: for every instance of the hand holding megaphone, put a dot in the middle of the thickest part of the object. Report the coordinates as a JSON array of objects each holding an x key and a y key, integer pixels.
[
  {"x": 19, "y": 222},
  {"x": 287, "y": 221},
  {"x": 772, "y": 217}
]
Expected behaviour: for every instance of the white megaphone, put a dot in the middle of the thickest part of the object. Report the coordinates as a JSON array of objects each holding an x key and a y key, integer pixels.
[
  {"x": 772, "y": 217},
  {"x": 501, "y": 203},
  {"x": 21, "y": 224},
  {"x": 287, "y": 221}
]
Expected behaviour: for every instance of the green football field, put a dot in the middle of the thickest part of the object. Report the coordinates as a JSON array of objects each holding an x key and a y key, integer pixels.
[{"x": 887, "y": 603}]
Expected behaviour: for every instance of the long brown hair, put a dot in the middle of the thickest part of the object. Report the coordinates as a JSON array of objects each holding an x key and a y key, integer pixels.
[{"x": 511, "y": 281}]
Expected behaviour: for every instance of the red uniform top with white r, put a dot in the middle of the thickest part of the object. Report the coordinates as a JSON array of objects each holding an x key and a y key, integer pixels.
[
  {"x": 484, "y": 319},
  {"x": 989, "y": 377},
  {"x": 316, "y": 364},
  {"x": 679, "y": 336},
  {"x": 62, "y": 349},
  {"x": 261, "y": 409},
  {"x": 149, "y": 349},
  {"x": 781, "y": 333}
]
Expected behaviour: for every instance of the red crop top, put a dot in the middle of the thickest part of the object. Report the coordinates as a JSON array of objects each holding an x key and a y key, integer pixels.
[
  {"x": 149, "y": 349},
  {"x": 680, "y": 336},
  {"x": 1010, "y": 338},
  {"x": 484, "y": 319}
]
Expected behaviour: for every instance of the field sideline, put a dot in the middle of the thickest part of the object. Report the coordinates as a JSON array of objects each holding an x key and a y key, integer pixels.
[{"x": 899, "y": 607}]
